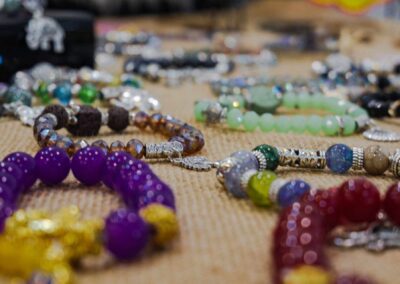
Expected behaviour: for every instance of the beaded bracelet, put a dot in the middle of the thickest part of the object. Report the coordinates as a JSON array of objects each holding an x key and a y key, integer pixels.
[
  {"x": 305, "y": 225},
  {"x": 49, "y": 244},
  {"x": 381, "y": 105},
  {"x": 86, "y": 121}
]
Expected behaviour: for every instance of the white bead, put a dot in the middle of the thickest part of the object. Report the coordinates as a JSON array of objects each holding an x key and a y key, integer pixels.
[{"x": 274, "y": 189}]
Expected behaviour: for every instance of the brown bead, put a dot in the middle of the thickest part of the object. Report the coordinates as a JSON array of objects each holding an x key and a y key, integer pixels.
[
  {"x": 116, "y": 146},
  {"x": 376, "y": 161},
  {"x": 45, "y": 135},
  {"x": 80, "y": 144},
  {"x": 155, "y": 121},
  {"x": 171, "y": 127},
  {"x": 66, "y": 143},
  {"x": 101, "y": 144},
  {"x": 141, "y": 120},
  {"x": 136, "y": 148}
]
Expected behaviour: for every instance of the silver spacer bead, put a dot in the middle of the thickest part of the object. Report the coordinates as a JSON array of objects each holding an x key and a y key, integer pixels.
[
  {"x": 224, "y": 166},
  {"x": 274, "y": 189},
  {"x": 262, "y": 162},
  {"x": 132, "y": 116},
  {"x": 395, "y": 164},
  {"x": 358, "y": 159},
  {"x": 72, "y": 120},
  {"x": 244, "y": 181},
  {"x": 104, "y": 117}
]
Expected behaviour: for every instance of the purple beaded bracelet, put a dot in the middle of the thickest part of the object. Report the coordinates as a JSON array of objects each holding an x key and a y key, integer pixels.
[{"x": 126, "y": 231}]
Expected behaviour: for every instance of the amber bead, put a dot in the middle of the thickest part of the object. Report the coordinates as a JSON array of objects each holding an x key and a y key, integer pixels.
[
  {"x": 172, "y": 127},
  {"x": 47, "y": 136},
  {"x": 116, "y": 146},
  {"x": 155, "y": 120},
  {"x": 81, "y": 143},
  {"x": 193, "y": 142},
  {"x": 141, "y": 120},
  {"x": 136, "y": 148},
  {"x": 101, "y": 144},
  {"x": 67, "y": 144}
]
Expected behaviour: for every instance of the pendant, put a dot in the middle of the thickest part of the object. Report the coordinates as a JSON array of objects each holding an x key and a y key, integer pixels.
[{"x": 379, "y": 134}]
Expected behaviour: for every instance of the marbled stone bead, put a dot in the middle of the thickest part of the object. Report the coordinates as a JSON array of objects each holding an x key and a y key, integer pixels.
[
  {"x": 243, "y": 161},
  {"x": 339, "y": 158},
  {"x": 376, "y": 161},
  {"x": 26, "y": 164},
  {"x": 291, "y": 192}
]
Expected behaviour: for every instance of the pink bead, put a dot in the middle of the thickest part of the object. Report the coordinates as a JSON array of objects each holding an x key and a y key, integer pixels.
[{"x": 391, "y": 204}]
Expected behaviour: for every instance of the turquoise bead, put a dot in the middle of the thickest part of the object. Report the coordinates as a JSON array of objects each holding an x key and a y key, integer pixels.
[
  {"x": 298, "y": 123},
  {"x": 314, "y": 124},
  {"x": 132, "y": 82},
  {"x": 282, "y": 124},
  {"x": 289, "y": 100},
  {"x": 250, "y": 120},
  {"x": 63, "y": 93},
  {"x": 304, "y": 101},
  {"x": 266, "y": 122},
  {"x": 349, "y": 125},
  {"x": 234, "y": 118},
  {"x": 330, "y": 126},
  {"x": 199, "y": 108}
]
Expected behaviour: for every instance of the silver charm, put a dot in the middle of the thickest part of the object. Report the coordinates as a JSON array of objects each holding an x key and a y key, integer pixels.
[
  {"x": 378, "y": 134},
  {"x": 377, "y": 237},
  {"x": 196, "y": 163}
]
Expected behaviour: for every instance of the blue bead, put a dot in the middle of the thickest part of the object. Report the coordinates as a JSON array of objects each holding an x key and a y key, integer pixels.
[
  {"x": 63, "y": 93},
  {"x": 291, "y": 192},
  {"x": 339, "y": 158}
]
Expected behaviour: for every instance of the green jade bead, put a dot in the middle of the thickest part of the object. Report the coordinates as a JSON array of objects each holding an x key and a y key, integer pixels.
[
  {"x": 263, "y": 99},
  {"x": 317, "y": 101},
  {"x": 250, "y": 120},
  {"x": 330, "y": 126},
  {"x": 266, "y": 122},
  {"x": 298, "y": 123},
  {"x": 270, "y": 154},
  {"x": 88, "y": 93},
  {"x": 199, "y": 108},
  {"x": 258, "y": 188},
  {"x": 349, "y": 125},
  {"x": 282, "y": 124},
  {"x": 234, "y": 118},
  {"x": 314, "y": 124},
  {"x": 232, "y": 101},
  {"x": 304, "y": 101},
  {"x": 289, "y": 100},
  {"x": 43, "y": 93}
]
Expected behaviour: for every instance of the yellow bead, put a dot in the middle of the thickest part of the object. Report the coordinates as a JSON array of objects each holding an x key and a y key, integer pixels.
[
  {"x": 163, "y": 219},
  {"x": 308, "y": 274}
]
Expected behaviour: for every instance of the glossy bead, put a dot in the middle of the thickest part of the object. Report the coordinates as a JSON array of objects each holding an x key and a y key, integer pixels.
[
  {"x": 258, "y": 188},
  {"x": 271, "y": 155},
  {"x": 391, "y": 203},
  {"x": 359, "y": 200},
  {"x": 314, "y": 124},
  {"x": 250, "y": 120},
  {"x": 155, "y": 191},
  {"x": 43, "y": 93},
  {"x": 52, "y": 165},
  {"x": 304, "y": 101},
  {"x": 298, "y": 124},
  {"x": 117, "y": 146},
  {"x": 112, "y": 164},
  {"x": 289, "y": 100},
  {"x": 376, "y": 160},
  {"x": 88, "y": 93},
  {"x": 266, "y": 122},
  {"x": 234, "y": 118},
  {"x": 155, "y": 120},
  {"x": 101, "y": 144},
  {"x": 125, "y": 234},
  {"x": 26, "y": 164},
  {"x": 199, "y": 109},
  {"x": 282, "y": 124},
  {"x": 14, "y": 171},
  {"x": 63, "y": 93},
  {"x": 307, "y": 274},
  {"x": 164, "y": 222},
  {"x": 136, "y": 148},
  {"x": 291, "y": 192},
  {"x": 67, "y": 144},
  {"x": 141, "y": 120},
  {"x": 10, "y": 182},
  {"x": 330, "y": 126},
  {"x": 262, "y": 99},
  {"x": 88, "y": 165},
  {"x": 339, "y": 158},
  {"x": 133, "y": 82},
  {"x": 349, "y": 125}
]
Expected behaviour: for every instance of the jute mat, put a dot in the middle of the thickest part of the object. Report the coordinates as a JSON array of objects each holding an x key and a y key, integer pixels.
[{"x": 222, "y": 239}]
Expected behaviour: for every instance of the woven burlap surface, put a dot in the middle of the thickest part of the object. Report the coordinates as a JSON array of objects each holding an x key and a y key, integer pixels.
[{"x": 222, "y": 239}]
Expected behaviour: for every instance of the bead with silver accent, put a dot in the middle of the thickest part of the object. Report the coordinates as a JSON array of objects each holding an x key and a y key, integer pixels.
[
  {"x": 224, "y": 166},
  {"x": 302, "y": 158},
  {"x": 358, "y": 159},
  {"x": 244, "y": 181},
  {"x": 104, "y": 117},
  {"x": 214, "y": 113},
  {"x": 395, "y": 164},
  {"x": 262, "y": 161},
  {"x": 274, "y": 189},
  {"x": 164, "y": 150}
]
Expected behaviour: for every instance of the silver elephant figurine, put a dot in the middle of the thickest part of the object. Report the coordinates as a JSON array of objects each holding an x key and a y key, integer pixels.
[{"x": 43, "y": 30}]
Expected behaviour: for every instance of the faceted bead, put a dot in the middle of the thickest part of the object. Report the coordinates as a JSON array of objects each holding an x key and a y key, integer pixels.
[
  {"x": 339, "y": 158},
  {"x": 125, "y": 234},
  {"x": 172, "y": 127},
  {"x": 359, "y": 200},
  {"x": 194, "y": 142},
  {"x": 376, "y": 160},
  {"x": 330, "y": 126},
  {"x": 391, "y": 203},
  {"x": 258, "y": 188},
  {"x": 289, "y": 100},
  {"x": 234, "y": 118},
  {"x": 63, "y": 93},
  {"x": 26, "y": 164},
  {"x": 117, "y": 146},
  {"x": 66, "y": 143},
  {"x": 271, "y": 155},
  {"x": 163, "y": 220},
  {"x": 349, "y": 125},
  {"x": 282, "y": 124},
  {"x": 88, "y": 165},
  {"x": 307, "y": 274},
  {"x": 291, "y": 192},
  {"x": 88, "y": 93},
  {"x": 113, "y": 163},
  {"x": 243, "y": 161},
  {"x": 304, "y": 101},
  {"x": 43, "y": 93},
  {"x": 136, "y": 148},
  {"x": 80, "y": 144},
  {"x": 101, "y": 144},
  {"x": 155, "y": 120},
  {"x": 266, "y": 122},
  {"x": 314, "y": 124},
  {"x": 14, "y": 171},
  {"x": 250, "y": 120},
  {"x": 199, "y": 109},
  {"x": 298, "y": 123},
  {"x": 52, "y": 165},
  {"x": 142, "y": 120}
]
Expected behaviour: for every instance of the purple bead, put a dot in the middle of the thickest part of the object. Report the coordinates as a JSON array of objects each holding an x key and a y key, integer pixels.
[
  {"x": 26, "y": 163},
  {"x": 112, "y": 165},
  {"x": 88, "y": 165},
  {"x": 52, "y": 165},
  {"x": 291, "y": 192},
  {"x": 7, "y": 195},
  {"x": 155, "y": 191},
  {"x": 131, "y": 175},
  {"x": 14, "y": 171},
  {"x": 6, "y": 210},
  {"x": 125, "y": 234},
  {"x": 9, "y": 181}
]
